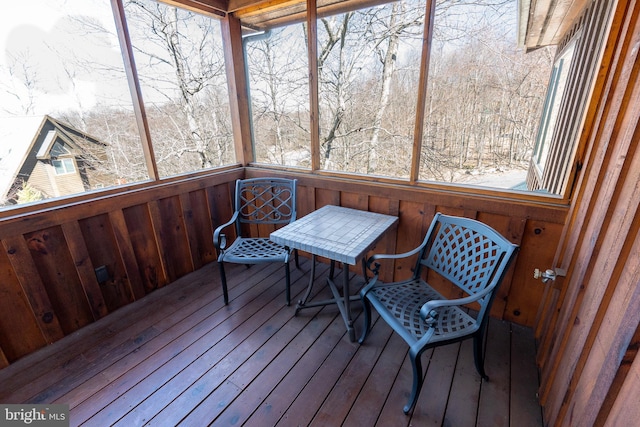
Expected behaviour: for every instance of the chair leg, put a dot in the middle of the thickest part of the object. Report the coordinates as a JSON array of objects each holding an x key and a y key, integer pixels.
[
  {"x": 223, "y": 277},
  {"x": 295, "y": 256},
  {"x": 287, "y": 290},
  {"x": 478, "y": 355},
  {"x": 416, "y": 363},
  {"x": 367, "y": 320}
]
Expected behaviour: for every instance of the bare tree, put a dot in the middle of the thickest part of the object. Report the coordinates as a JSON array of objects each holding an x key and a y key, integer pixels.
[
  {"x": 278, "y": 72},
  {"x": 335, "y": 79},
  {"x": 181, "y": 67},
  {"x": 22, "y": 83},
  {"x": 484, "y": 95},
  {"x": 365, "y": 95},
  {"x": 402, "y": 19}
]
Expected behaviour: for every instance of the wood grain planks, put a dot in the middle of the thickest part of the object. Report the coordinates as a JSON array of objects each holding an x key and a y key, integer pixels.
[
  {"x": 181, "y": 357},
  {"x": 141, "y": 239},
  {"x": 152, "y": 236}
]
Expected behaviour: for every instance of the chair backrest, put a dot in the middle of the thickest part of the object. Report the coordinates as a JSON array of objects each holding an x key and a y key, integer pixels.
[
  {"x": 470, "y": 254},
  {"x": 265, "y": 201}
]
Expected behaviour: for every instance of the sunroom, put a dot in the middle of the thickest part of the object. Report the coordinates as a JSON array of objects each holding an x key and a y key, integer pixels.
[{"x": 522, "y": 115}]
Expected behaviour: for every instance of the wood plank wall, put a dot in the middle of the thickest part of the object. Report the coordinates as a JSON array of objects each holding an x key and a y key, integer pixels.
[
  {"x": 565, "y": 155},
  {"x": 535, "y": 227},
  {"x": 589, "y": 331},
  {"x": 148, "y": 237},
  {"x": 143, "y": 239}
]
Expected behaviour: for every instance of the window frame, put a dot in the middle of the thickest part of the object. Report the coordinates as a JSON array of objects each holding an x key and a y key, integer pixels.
[
  {"x": 413, "y": 178},
  {"x": 232, "y": 36},
  {"x": 232, "y": 32},
  {"x": 66, "y": 163},
  {"x": 553, "y": 105}
]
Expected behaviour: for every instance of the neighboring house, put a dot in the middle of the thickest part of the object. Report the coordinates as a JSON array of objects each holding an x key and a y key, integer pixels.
[{"x": 53, "y": 158}]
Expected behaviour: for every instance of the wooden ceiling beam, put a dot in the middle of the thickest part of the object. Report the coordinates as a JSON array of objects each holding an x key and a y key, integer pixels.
[
  {"x": 291, "y": 12},
  {"x": 252, "y": 7},
  {"x": 544, "y": 22},
  {"x": 216, "y": 8}
]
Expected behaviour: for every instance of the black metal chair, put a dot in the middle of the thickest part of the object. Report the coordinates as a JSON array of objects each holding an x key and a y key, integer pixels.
[
  {"x": 260, "y": 201},
  {"x": 465, "y": 252}
]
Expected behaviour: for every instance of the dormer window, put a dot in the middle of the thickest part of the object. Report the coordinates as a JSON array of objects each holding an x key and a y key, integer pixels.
[{"x": 59, "y": 150}]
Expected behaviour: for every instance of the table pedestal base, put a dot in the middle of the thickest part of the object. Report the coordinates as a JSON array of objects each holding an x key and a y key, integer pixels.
[{"x": 343, "y": 303}]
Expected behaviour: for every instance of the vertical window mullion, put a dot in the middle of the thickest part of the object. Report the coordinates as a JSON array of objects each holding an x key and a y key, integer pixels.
[
  {"x": 312, "y": 24},
  {"x": 422, "y": 90},
  {"x": 134, "y": 88}
]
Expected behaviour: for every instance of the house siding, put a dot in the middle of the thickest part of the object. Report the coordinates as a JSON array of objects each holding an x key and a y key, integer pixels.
[
  {"x": 589, "y": 331},
  {"x": 566, "y": 144},
  {"x": 39, "y": 179},
  {"x": 68, "y": 183}
]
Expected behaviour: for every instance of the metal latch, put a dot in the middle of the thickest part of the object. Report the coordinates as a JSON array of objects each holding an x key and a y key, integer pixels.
[{"x": 549, "y": 274}]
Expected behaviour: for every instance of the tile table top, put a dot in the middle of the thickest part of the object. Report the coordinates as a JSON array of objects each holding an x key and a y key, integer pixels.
[{"x": 335, "y": 232}]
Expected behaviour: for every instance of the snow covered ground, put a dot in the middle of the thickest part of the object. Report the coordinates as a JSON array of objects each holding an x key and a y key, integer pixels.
[{"x": 513, "y": 179}]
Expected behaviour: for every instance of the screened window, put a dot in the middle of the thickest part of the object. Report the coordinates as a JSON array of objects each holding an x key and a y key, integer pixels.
[
  {"x": 368, "y": 67},
  {"x": 279, "y": 82},
  {"x": 180, "y": 64},
  {"x": 61, "y": 73},
  {"x": 484, "y": 97}
]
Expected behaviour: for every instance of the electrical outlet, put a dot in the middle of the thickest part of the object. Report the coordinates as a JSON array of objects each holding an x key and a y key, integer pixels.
[{"x": 102, "y": 274}]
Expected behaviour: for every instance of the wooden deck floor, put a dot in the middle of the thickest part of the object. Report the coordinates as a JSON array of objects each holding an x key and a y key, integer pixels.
[{"x": 180, "y": 357}]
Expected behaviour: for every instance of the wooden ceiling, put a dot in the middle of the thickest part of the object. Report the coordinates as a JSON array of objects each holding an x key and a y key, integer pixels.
[
  {"x": 541, "y": 22},
  {"x": 261, "y": 15}
]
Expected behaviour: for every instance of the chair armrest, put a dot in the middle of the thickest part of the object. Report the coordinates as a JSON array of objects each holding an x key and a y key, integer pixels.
[
  {"x": 219, "y": 238},
  {"x": 376, "y": 266},
  {"x": 428, "y": 311}
]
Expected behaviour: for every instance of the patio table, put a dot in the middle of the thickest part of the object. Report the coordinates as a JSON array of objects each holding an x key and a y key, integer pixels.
[{"x": 340, "y": 234}]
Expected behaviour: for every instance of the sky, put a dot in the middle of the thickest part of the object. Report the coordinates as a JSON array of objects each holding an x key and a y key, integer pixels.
[{"x": 43, "y": 37}]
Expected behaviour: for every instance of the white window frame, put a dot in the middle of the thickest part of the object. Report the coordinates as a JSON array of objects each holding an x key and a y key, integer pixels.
[
  {"x": 555, "y": 94},
  {"x": 67, "y": 164}
]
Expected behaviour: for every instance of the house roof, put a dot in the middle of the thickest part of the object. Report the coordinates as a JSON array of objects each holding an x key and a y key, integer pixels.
[{"x": 17, "y": 136}]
